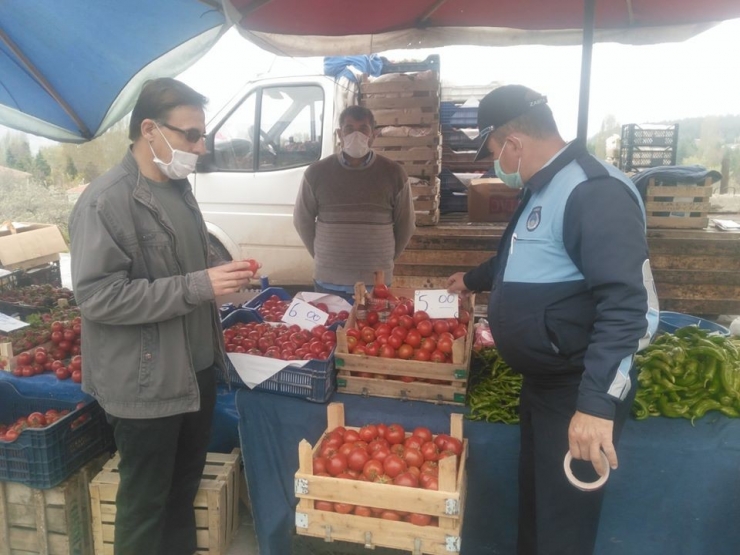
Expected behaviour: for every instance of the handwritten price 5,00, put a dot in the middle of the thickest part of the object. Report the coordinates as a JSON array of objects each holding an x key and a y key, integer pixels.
[{"x": 438, "y": 303}]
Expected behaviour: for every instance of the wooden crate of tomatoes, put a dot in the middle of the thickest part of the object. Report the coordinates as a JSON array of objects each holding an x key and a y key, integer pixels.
[
  {"x": 388, "y": 349},
  {"x": 380, "y": 485}
]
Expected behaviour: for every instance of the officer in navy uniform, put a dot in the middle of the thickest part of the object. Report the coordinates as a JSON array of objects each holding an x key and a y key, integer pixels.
[{"x": 572, "y": 302}]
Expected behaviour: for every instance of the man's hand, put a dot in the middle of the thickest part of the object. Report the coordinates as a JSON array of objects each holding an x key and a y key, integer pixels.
[
  {"x": 230, "y": 277},
  {"x": 587, "y": 435},
  {"x": 455, "y": 284}
]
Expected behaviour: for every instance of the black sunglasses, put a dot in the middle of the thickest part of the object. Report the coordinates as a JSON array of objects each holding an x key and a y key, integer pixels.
[{"x": 191, "y": 135}]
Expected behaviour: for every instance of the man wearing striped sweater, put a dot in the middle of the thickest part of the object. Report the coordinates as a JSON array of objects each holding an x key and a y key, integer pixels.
[{"x": 354, "y": 210}]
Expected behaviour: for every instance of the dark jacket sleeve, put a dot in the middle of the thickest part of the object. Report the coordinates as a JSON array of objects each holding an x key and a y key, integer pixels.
[
  {"x": 481, "y": 278},
  {"x": 604, "y": 234}
]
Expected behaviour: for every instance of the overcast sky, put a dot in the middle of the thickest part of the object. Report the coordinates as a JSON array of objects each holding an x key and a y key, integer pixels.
[{"x": 638, "y": 84}]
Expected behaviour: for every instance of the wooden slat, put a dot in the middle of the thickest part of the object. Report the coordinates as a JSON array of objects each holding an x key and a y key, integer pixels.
[
  {"x": 405, "y": 116},
  {"x": 420, "y": 154},
  {"x": 677, "y": 222},
  {"x": 694, "y": 277},
  {"x": 384, "y": 102},
  {"x": 399, "y": 86},
  {"x": 426, "y": 204},
  {"x": 673, "y": 206},
  {"x": 428, "y": 219},
  {"x": 429, "y": 140},
  {"x": 701, "y": 307},
  {"x": 394, "y": 389}
]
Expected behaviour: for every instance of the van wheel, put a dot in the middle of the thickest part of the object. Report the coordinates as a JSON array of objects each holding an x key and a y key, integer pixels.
[{"x": 217, "y": 250}]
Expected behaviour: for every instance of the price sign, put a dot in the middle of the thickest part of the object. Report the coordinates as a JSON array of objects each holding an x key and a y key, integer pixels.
[
  {"x": 304, "y": 315},
  {"x": 438, "y": 303}
]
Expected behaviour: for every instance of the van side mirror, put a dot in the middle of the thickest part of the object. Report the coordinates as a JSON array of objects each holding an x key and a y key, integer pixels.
[{"x": 205, "y": 162}]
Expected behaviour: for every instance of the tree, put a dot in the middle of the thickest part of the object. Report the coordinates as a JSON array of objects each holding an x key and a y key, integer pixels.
[
  {"x": 71, "y": 169},
  {"x": 41, "y": 168},
  {"x": 90, "y": 172}
]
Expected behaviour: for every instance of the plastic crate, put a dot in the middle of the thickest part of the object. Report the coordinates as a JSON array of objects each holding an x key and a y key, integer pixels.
[
  {"x": 450, "y": 183},
  {"x": 457, "y": 140},
  {"x": 634, "y": 157},
  {"x": 453, "y": 202},
  {"x": 432, "y": 63},
  {"x": 663, "y": 136},
  {"x": 671, "y": 321},
  {"x": 260, "y": 299},
  {"x": 315, "y": 381},
  {"x": 43, "y": 458},
  {"x": 446, "y": 111},
  {"x": 465, "y": 117}
]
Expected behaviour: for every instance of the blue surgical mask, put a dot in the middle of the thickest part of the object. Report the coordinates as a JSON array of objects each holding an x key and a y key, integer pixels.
[{"x": 514, "y": 179}]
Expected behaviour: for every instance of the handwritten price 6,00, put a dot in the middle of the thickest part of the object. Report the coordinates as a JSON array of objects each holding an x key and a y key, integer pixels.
[{"x": 304, "y": 315}]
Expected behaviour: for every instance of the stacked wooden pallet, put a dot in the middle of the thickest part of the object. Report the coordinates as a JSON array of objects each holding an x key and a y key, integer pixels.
[{"x": 406, "y": 110}]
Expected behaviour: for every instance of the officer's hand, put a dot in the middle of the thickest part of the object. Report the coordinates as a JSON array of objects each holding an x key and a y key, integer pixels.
[
  {"x": 455, "y": 284},
  {"x": 230, "y": 277},
  {"x": 587, "y": 435}
]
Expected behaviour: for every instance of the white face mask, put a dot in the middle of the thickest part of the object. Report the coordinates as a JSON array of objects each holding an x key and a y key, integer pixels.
[
  {"x": 180, "y": 166},
  {"x": 356, "y": 144}
]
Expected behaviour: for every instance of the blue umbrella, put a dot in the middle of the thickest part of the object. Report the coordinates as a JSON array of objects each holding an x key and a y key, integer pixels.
[{"x": 69, "y": 69}]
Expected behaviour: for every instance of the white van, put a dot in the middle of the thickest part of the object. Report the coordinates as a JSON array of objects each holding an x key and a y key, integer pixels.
[{"x": 259, "y": 146}]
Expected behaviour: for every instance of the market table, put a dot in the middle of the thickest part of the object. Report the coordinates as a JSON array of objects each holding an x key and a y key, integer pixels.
[{"x": 677, "y": 489}]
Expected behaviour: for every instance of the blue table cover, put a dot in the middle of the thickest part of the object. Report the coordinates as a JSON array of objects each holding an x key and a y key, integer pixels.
[{"x": 677, "y": 489}]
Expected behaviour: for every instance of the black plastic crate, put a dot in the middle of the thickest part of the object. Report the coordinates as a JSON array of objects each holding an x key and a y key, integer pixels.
[
  {"x": 664, "y": 136},
  {"x": 316, "y": 381},
  {"x": 43, "y": 458},
  {"x": 453, "y": 202},
  {"x": 633, "y": 158},
  {"x": 432, "y": 63},
  {"x": 465, "y": 117}
]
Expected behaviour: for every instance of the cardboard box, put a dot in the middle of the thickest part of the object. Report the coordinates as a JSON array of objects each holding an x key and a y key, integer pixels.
[
  {"x": 26, "y": 245},
  {"x": 489, "y": 200}
]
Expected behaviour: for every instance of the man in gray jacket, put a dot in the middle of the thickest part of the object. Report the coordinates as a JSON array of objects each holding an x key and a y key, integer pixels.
[{"x": 151, "y": 335}]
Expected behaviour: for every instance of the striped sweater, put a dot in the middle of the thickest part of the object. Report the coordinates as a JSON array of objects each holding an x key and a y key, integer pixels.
[{"x": 354, "y": 221}]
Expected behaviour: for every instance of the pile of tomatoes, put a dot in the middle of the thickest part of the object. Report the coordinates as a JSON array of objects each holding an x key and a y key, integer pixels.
[
  {"x": 407, "y": 334},
  {"x": 280, "y": 341},
  {"x": 273, "y": 310},
  {"x": 66, "y": 338},
  {"x": 36, "y": 421},
  {"x": 385, "y": 455}
]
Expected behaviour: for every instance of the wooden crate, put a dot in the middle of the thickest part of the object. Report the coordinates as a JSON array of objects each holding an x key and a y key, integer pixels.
[
  {"x": 433, "y": 139},
  {"x": 447, "y": 504},
  {"x": 53, "y": 521},
  {"x": 684, "y": 206},
  {"x": 216, "y": 504},
  {"x": 406, "y": 116},
  {"x": 406, "y": 99},
  {"x": 371, "y": 89},
  {"x": 427, "y": 219},
  {"x": 426, "y": 190},
  {"x": 426, "y": 204},
  {"x": 387, "y": 373}
]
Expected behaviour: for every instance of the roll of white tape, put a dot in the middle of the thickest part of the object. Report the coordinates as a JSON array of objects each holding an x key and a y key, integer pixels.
[{"x": 586, "y": 486}]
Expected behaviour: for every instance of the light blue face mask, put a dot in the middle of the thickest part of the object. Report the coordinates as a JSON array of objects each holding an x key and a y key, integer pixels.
[{"x": 514, "y": 179}]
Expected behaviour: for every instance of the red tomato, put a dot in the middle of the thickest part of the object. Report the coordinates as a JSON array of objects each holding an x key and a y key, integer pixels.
[
  {"x": 57, "y": 326},
  {"x": 346, "y": 449},
  {"x": 69, "y": 335},
  {"x": 336, "y": 464},
  {"x": 405, "y": 351},
  {"x": 343, "y": 508},
  {"x": 459, "y": 331},
  {"x": 463, "y": 317},
  {"x": 438, "y": 356},
  {"x": 400, "y": 331},
  {"x": 420, "y": 316},
  {"x": 377, "y": 443},
  {"x": 10, "y": 436},
  {"x": 381, "y": 453},
  {"x": 413, "y": 457},
  {"x": 324, "y": 506},
  {"x": 368, "y": 432},
  {"x": 419, "y": 520},
  {"x": 430, "y": 467},
  {"x": 372, "y": 350},
  {"x": 393, "y": 465},
  {"x": 27, "y": 371},
  {"x": 61, "y": 373},
  {"x": 387, "y": 351},
  {"x": 381, "y": 291},
  {"x": 372, "y": 318},
  {"x": 430, "y": 451},
  {"x": 422, "y": 432},
  {"x": 392, "y": 322},
  {"x": 395, "y": 341},
  {"x": 425, "y": 328},
  {"x": 455, "y": 445},
  {"x": 432, "y": 483},
  {"x": 363, "y": 511},
  {"x": 406, "y": 479},
  {"x": 372, "y": 469},
  {"x": 319, "y": 465},
  {"x": 440, "y": 441},
  {"x": 445, "y": 345},
  {"x": 357, "y": 459},
  {"x": 401, "y": 310},
  {"x": 383, "y": 329},
  {"x": 395, "y": 434},
  {"x": 368, "y": 334},
  {"x": 382, "y": 429},
  {"x": 76, "y": 362},
  {"x": 318, "y": 331},
  {"x": 422, "y": 355},
  {"x": 406, "y": 321},
  {"x": 413, "y": 338},
  {"x": 350, "y": 436},
  {"x": 390, "y": 515},
  {"x": 24, "y": 359},
  {"x": 77, "y": 376},
  {"x": 412, "y": 442},
  {"x": 441, "y": 326},
  {"x": 398, "y": 449},
  {"x": 36, "y": 420}
]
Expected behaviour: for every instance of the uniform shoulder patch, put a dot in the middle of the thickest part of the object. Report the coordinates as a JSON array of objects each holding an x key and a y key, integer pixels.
[{"x": 534, "y": 218}]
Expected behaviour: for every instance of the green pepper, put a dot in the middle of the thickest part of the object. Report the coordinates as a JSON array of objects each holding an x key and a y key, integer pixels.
[
  {"x": 729, "y": 411},
  {"x": 672, "y": 410},
  {"x": 640, "y": 409},
  {"x": 730, "y": 379},
  {"x": 707, "y": 349}
]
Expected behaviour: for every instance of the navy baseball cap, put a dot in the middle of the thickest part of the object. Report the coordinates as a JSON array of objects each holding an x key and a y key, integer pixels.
[{"x": 502, "y": 105}]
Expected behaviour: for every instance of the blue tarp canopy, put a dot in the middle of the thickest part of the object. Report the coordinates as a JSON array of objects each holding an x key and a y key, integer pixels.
[{"x": 70, "y": 69}]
